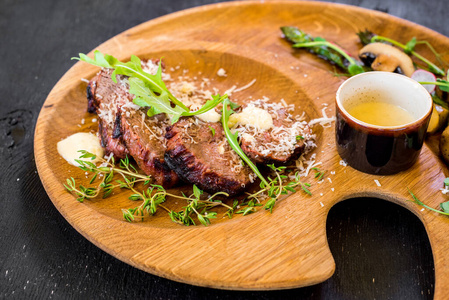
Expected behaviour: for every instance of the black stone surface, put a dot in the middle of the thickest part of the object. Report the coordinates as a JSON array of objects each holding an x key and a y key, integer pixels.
[{"x": 381, "y": 250}]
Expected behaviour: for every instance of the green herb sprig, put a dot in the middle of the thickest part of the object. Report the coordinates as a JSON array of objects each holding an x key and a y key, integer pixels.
[
  {"x": 151, "y": 195},
  {"x": 277, "y": 186},
  {"x": 233, "y": 141},
  {"x": 126, "y": 170},
  {"x": 444, "y": 206},
  {"x": 199, "y": 208}
]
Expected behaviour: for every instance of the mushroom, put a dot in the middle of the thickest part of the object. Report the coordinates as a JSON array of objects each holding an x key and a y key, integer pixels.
[{"x": 384, "y": 57}]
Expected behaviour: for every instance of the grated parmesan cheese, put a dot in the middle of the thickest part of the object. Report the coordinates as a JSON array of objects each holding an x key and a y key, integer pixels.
[
  {"x": 222, "y": 73},
  {"x": 245, "y": 86},
  {"x": 324, "y": 121},
  {"x": 252, "y": 116}
]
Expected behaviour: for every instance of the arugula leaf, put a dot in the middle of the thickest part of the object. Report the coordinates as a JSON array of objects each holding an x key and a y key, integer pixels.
[
  {"x": 234, "y": 143},
  {"x": 133, "y": 68},
  {"x": 443, "y": 84},
  {"x": 150, "y": 90},
  {"x": 145, "y": 97},
  {"x": 210, "y": 104},
  {"x": 445, "y": 206}
]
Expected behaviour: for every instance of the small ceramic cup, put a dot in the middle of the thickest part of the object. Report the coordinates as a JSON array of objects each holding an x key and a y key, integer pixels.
[{"x": 378, "y": 149}]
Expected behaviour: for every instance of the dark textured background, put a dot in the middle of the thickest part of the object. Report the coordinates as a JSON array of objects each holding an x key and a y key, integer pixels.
[{"x": 381, "y": 250}]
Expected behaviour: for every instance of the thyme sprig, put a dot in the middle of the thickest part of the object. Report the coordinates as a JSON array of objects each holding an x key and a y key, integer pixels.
[
  {"x": 106, "y": 170},
  {"x": 152, "y": 196},
  {"x": 199, "y": 208},
  {"x": 278, "y": 185},
  {"x": 319, "y": 174}
]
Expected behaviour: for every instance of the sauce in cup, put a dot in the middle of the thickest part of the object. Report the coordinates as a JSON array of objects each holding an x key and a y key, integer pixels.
[{"x": 381, "y": 121}]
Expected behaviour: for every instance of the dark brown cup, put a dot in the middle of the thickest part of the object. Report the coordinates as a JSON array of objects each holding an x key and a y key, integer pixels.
[{"x": 382, "y": 150}]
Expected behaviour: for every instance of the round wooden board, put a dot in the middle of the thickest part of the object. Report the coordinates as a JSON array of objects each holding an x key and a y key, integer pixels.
[{"x": 287, "y": 248}]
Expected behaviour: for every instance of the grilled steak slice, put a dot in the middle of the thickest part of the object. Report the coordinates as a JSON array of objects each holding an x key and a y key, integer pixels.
[
  {"x": 200, "y": 154},
  {"x": 105, "y": 98},
  {"x": 109, "y": 143},
  {"x": 281, "y": 143},
  {"x": 144, "y": 139}
]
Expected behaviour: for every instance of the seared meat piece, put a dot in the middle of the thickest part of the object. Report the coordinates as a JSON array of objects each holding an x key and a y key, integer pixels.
[
  {"x": 280, "y": 144},
  {"x": 105, "y": 98},
  {"x": 200, "y": 154},
  {"x": 144, "y": 138},
  {"x": 110, "y": 143},
  {"x": 125, "y": 130}
]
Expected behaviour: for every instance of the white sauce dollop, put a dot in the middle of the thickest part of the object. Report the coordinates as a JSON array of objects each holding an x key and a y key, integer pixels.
[
  {"x": 253, "y": 116},
  {"x": 69, "y": 147},
  {"x": 209, "y": 116}
]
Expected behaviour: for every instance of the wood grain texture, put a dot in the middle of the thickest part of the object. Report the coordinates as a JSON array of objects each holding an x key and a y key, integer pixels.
[{"x": 244, "y": 39}]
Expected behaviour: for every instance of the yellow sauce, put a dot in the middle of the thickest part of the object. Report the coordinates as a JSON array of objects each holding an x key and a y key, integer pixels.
[{"x": 381, "y": 114}]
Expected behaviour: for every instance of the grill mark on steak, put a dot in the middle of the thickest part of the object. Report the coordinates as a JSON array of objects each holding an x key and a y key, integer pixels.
[
  {"x": 146, "y": 144},
  {"x": 111, "y": 145},
  {"x": 90, "y": 91},
  {"x": 117, "y": 132},
  {"x": 205, "y": 159}
]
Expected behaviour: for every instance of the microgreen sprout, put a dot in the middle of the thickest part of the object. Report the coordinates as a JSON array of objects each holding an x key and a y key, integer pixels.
[{"x": 319, "y": 174}]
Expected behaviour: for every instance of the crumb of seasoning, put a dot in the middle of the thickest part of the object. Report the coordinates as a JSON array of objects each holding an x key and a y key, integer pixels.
[
  {"x": 321, "y": 203},
  {"x": 94, "y": 120},
  {"x": 343, "y": 163},
  {"x": 222, "y": 72},
  {"x": 332, "y": 189},
  {"x": 422, "y": 209},
  {"x": 377, "y": 182}
]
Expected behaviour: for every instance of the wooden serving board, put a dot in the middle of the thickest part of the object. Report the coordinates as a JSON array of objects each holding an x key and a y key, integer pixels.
[{"x": 287, "y": 248}]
